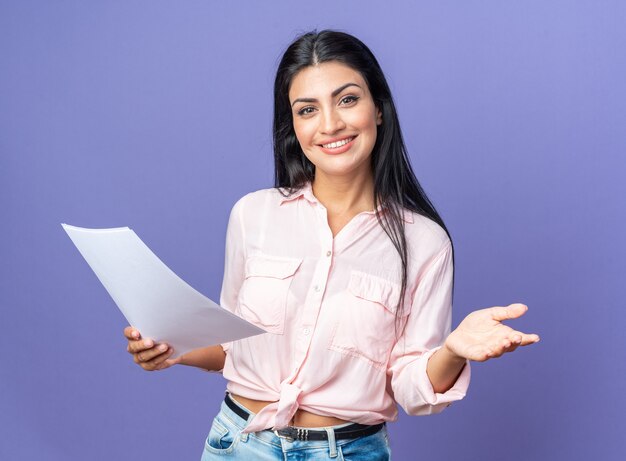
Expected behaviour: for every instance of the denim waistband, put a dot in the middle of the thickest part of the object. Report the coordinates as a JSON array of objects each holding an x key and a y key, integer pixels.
[{"x": 270, "y": 437}]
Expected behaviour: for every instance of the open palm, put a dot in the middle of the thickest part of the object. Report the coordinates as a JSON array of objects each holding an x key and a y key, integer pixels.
[{"x": 482, "y": 335}]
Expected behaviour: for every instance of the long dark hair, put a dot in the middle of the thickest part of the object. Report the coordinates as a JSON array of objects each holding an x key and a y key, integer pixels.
[{"x": 395, "y": 185}]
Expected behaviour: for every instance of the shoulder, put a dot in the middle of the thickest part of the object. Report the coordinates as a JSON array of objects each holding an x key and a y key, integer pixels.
[
  {"x": 258, "y": 199},
  {"x": 425, "y": 238}
]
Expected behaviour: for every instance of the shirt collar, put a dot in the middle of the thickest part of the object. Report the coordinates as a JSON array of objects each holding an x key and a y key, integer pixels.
[{"x": 306, "y": 192}]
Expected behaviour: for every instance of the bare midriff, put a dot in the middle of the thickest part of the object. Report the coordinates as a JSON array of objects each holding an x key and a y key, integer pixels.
[{"x": 302, "y": 418}]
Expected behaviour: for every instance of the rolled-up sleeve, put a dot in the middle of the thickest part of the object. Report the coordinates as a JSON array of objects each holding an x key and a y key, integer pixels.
[
  {"x": 427, "y": 326},
  {"x": 234, "y": 262}
]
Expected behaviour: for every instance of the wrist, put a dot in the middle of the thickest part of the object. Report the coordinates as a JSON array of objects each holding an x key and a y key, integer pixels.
[
  {"x": 181, "y": 360},
  {"x": 449, "y": 354}
]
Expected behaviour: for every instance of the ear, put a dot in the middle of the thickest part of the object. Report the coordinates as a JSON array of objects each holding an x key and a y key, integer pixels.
[{"x": 379, "y": 116}]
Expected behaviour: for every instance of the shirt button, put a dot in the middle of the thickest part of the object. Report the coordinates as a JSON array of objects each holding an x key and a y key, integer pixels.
[
  {"x": 306, "y": 332},
  {"x": 328, "y": 253},
  {"x": 316, "y": 288}
]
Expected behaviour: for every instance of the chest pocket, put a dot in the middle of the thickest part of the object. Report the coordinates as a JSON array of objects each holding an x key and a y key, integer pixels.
[
  {"x": 366, "y": 321},
  {"x": 265, "y": 290}
]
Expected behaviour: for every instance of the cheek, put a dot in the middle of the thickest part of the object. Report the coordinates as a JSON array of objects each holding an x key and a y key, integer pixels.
[
  {"x": 304, "y": 133},
  {"x": 365, "y": 120}
]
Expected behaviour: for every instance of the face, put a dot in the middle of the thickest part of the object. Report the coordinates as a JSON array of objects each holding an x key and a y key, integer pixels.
[{"x": 334, "y": 118}]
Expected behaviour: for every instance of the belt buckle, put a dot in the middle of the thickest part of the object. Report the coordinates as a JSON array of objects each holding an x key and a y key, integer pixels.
[
  {"x": 286, "y": 437},
  {"x": 300, "y": 434}
]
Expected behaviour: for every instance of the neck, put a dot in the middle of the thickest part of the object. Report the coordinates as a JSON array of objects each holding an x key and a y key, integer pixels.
[{"x": 345, "y": 195}]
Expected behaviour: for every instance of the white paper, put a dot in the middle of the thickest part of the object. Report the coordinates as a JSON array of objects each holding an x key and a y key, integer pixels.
[{"x": 151, "y": 296}]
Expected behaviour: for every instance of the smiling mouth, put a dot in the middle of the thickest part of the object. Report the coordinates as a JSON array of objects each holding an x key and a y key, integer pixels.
[{"x": 334, "y": 145}]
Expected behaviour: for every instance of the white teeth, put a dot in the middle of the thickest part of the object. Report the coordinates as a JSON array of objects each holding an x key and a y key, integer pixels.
[{"x": 334, "y": 145}]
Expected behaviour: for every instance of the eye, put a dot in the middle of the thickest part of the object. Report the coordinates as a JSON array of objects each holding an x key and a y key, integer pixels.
[
  {"x": 306, "y": 111},
  {"x": 349, "y": 99}
]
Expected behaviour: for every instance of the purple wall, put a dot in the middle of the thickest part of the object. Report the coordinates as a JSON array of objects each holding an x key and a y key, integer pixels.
[{"x": 157, "y": 115}]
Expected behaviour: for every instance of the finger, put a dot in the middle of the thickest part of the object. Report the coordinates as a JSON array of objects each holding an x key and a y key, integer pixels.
[
  {"x": 516, "y": 338},
  {"x": 140, "y": 345},
  {"x": 149, "y": 354},
  {"x": 522, "y": 339},
  {"x": 171, "y": 362},
  {"x": 167, "y": 363},
  {"x": 131, "y": 333},
  {"x": 512, "y": 311},
  {"x": 499, "y": 348},
  {"x": 502, "y": 345},
  {"x": 529, "y": 339},
  {"x": 494, "y": 352},
  {"x": 511, "y": 346},
  {"x": 158, "y": 362}
]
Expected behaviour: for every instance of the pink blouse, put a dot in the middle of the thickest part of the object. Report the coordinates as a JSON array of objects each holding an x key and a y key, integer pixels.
[{"x": 328, "y": 305}]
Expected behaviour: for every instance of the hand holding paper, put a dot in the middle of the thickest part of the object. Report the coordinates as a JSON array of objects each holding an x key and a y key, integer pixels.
[{"x": 151, "y": 296}]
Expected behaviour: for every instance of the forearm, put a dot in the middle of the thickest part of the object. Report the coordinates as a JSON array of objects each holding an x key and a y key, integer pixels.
[
  {"x": 443, "y": 369},
  {"x": 208, "y": 358}
]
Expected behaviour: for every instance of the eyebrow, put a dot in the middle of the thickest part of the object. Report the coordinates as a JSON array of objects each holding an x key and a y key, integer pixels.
[{"x": 333, "y": 94}]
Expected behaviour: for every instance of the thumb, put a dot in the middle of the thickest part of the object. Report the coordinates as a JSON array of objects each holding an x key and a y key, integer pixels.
[{"x": 512, "y": 311}]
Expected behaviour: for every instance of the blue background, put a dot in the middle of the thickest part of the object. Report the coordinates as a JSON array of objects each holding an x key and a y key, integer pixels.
[{"x": 157, "y": 115}]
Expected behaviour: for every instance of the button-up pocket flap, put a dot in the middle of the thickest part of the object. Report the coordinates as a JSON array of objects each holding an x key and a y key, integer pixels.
[
  {"x": 375, "y": 289},
  {"x": 271, "y": 266}
]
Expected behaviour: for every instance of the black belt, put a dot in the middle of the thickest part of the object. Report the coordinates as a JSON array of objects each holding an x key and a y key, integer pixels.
[{"x": 351, "y": 431}]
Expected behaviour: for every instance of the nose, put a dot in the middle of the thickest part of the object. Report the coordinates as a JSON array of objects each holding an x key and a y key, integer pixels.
[{"x": 331, "y": 122}]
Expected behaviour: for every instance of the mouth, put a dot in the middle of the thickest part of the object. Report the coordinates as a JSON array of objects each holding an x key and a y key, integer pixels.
[
  {"x": 339, "y": 146},
  {"x": 334, "y": 145}
]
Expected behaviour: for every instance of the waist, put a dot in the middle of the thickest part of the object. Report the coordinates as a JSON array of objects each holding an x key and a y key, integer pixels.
[{"x": 302, "y": 418}]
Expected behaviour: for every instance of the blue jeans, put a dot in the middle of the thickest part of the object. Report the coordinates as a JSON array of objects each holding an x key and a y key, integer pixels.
[{"x": 225, "y": 441}]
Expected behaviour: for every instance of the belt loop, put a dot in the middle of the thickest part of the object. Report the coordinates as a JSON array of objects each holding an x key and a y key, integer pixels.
[
  {"x": 244, "y": 437},
  {"x": 332, "y": 444}
]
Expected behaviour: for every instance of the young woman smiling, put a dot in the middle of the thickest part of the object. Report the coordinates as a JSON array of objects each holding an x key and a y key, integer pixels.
[{"x": 348, "y": 267}]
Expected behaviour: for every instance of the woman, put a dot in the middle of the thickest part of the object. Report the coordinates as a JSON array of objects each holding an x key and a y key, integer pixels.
[{"x": 348, "y": 267}]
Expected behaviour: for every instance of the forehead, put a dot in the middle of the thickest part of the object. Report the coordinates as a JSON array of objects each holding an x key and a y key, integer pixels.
[{"x": 320, "y": 80}]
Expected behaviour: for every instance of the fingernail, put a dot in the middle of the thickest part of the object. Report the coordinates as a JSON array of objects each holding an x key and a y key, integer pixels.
[
  {"x": 148, "y": 343},
  {"x": 163, "y": 347}
]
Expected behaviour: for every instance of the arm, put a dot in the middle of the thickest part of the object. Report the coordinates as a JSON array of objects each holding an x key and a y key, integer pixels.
[
  {"x": 430, "y": 387},
  {"x": 151, "y": 356},
  {"x": 234, "y": 262},
  {"x": 443, "y": 369},
  {"x": 209, "y": 358},
  {"x": 425, "y": 378}
]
